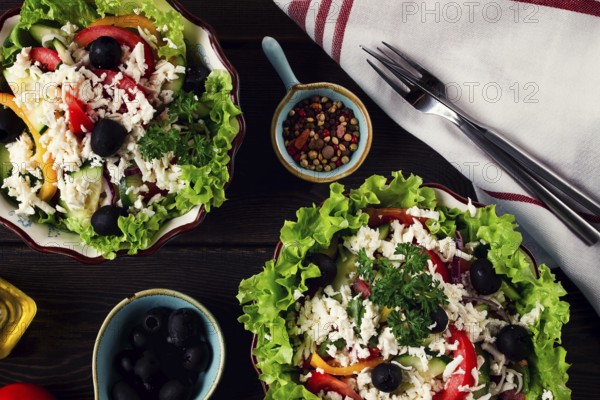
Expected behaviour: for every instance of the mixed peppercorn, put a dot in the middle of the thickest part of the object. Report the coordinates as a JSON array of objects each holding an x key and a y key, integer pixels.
[{"x": 320, "y": 134}]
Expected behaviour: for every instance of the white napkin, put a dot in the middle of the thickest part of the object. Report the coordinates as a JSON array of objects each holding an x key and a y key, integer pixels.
[{"x": 530, "y": 72}]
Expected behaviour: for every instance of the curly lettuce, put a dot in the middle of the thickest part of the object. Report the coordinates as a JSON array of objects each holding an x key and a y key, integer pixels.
[
  {"x": 268, "y": 297},
  {"x": 169, "y": 23},
  {"x": 78, "y": 12}
]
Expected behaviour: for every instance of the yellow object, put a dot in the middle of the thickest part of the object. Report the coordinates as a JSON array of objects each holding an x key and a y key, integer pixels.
[
  {"x": 48, "y": 188},
  {"x": 129, "y": 21},
  {"x": 16, "y": 313},
  {"x": 317, "y": 362},
  {"x": 385, "y": 313}
]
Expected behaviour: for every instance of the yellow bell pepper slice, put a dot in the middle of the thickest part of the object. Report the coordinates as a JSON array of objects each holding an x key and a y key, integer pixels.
[
  {"x": 129, "y": 21},
  {"x": 385, "y": 313},
  {"x": 48, "y": 188},
  {"x": 317, "y": 362}
]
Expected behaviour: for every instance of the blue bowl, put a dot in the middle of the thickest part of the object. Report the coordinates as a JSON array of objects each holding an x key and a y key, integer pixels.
[{"x": 113, "y": 337}]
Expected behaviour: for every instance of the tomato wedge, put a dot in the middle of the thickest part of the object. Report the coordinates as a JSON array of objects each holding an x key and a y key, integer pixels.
[
  {"x": 382, "y": 216},
  {"x": 362, "y": 287},
  {"x": 48, "y": 58},
  {"x": 469, "y": 361},
  {"x": 124, "y": 36},
  {"x": 20, "y": 391},
  {"x": 440, "y": 266},
  {"x": 318, "y": 382},
  {"x": 80, "y": 122},
  {"x": 125, "y": 83}
]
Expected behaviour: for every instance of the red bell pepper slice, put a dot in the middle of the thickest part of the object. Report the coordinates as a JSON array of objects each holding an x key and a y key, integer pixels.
[
  {"x": 318, "y": 382},
  {"x": 48, "y": 58},
  {"x": 382, "y": 216},
  {"x": 80, "y": 122},
  {"x": 469, "y": 361},
  {"x": 440, "y": 266},
  {"x": 124, "y": 36},
  {"x": 362, "y": 287}
]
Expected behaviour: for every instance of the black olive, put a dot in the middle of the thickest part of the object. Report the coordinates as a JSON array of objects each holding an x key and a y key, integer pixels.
[
  {"x": 195, "y": 79},
  {"x": 197, "y": 358},
  {"x": 386, "y": 377},
  {"x": 484, "y": 278},
  {"x": 147, "y": 367},
  {"x": 124, "y": 391},
  {"x": 11, "y": 126},
  {"x": 155, "y": 320},
  {"x": 328, "y": 269},
  {"x": 481, "y": 250},
  {"x": 184, "y": 327},
  {"x": 125, "y": 361},
  {"x": 105, "y": 221},
  {"x": 514, "y": 342},
  {"x": 175, "y": 390},
  {"x": 105, "y": 53},
  {"x": 107, "y": 137},
  {"x": 138, "y": 337},
  {"x": 440, "y": 318}
]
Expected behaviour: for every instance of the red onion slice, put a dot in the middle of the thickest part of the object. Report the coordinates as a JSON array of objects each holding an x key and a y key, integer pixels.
[
  {"x": 132, "y": 171},
  {"x": 459, "y": 241},
  {"x": 495, "y": 306},
  {"x": 455, "y": 270},
  {"x": 109, "y": 189}
]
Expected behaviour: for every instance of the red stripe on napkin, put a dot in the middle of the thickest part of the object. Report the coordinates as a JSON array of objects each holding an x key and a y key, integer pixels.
[
  {"x": 592, "y": 218},
  {"x": 322, "y": 17},
  {"x": 340, "y": 29},
  {"x": 590, "y": 7},
  {"x": 297, "y": 11}
]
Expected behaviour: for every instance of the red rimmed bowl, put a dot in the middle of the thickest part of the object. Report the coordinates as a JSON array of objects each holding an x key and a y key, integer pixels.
[
  {"x": 47, "y": 239},
  {"x": 445, "y": 197}
]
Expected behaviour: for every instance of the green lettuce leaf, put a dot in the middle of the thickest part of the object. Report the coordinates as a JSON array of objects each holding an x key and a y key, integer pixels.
[
  {"x": 267, "y": 298},
  {"x": 169, "y": 23},
  {"x": 78, "y": 12}
]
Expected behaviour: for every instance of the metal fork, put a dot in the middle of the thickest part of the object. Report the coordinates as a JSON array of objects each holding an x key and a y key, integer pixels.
[
  {"x": 437, "y": 89},
  {"x": 424, "y": 99}
]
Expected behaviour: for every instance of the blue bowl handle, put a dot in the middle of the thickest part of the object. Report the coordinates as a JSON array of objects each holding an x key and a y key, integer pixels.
[{"x": 277, "y": 57}]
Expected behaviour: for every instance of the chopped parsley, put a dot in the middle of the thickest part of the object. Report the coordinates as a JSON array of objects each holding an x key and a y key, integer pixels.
[
  {"x": 181, "y": 132},
  {"x": 406, "y": 288}
]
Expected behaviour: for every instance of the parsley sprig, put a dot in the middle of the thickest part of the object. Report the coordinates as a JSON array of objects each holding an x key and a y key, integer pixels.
[
  {"x": 408, "y": 289},
  {"x": 181, "y": 132}
]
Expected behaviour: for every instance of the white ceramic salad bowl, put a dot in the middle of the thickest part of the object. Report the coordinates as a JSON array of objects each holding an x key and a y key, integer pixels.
[{"x": 45, "y": 238}]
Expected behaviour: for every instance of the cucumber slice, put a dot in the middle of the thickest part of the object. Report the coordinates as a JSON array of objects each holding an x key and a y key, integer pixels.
[
  {"x": 177, "y": 84},
  {"x": 436, "y": 365},
  {"x": 127, "y": 200},
  {"x": 510, "y": 291},
  {"x": 45, "y": 35},
  {"x": 484, "y": 372},
  {"x": 384, "y": 231},
  {"x": 21, "y": 38},
  {"x": 346, "y": 263},
  {"x": 94, "y": 176},
  {"x": 5, "y": 164},
  {"x": 524, "y": 371},
  {"x": 27, "y": 85},
  {"x": 332, "y": 250},
  {"x": 62, "y": 51}
]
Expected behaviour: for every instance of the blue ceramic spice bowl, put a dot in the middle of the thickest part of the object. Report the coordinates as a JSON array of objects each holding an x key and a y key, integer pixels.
[{"x": 114, "y": 333}]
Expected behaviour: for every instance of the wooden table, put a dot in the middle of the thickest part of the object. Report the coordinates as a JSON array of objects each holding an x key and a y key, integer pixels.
[{"x": 235, "y": 240}]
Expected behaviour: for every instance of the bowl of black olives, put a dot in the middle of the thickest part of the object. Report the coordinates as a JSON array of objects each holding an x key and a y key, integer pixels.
[{"x": 158, "y": 345}]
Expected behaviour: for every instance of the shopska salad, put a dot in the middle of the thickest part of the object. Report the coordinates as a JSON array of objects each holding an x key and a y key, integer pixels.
[
  {"x": 386, "y": 294},
  {"x": 108, "y": 128}
]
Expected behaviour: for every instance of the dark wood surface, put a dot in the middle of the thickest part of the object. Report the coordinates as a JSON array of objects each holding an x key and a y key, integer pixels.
[{"x": 235, "y": 240}]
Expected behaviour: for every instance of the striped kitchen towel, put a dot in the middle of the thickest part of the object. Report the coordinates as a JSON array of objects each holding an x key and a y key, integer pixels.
[{"x": 528, "y": 69}]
